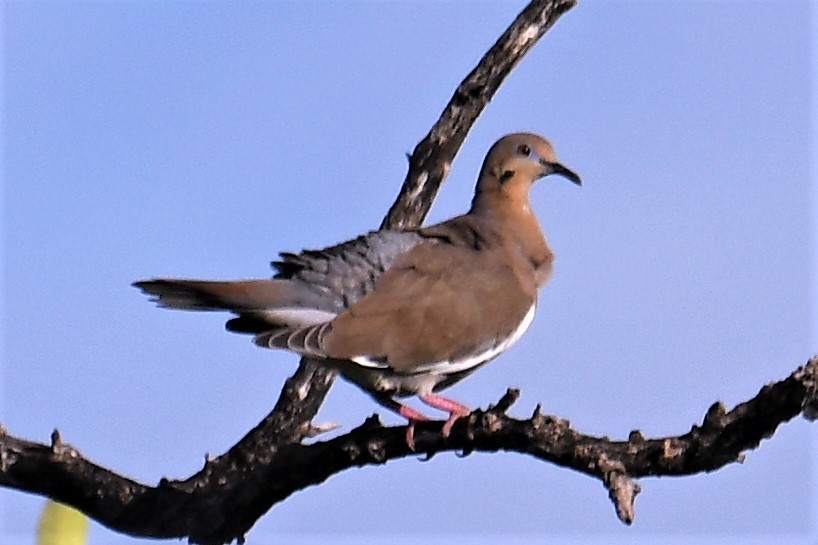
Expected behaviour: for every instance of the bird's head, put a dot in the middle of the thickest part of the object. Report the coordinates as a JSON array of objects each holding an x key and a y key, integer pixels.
[{"x": 514, "y": 163}]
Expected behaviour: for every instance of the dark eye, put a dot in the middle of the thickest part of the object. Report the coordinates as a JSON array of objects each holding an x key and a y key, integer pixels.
[{"x": 524, "y": 150}]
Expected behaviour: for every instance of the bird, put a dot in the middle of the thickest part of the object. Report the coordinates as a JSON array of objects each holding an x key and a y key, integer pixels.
[{"x": 404, "y": 312}]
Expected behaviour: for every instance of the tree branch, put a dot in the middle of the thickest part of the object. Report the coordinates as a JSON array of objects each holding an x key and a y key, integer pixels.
[
  {"x": 223, "y": 500},
  {"x": 429, "y": 164},
  {"x": 430, "y": 161}
]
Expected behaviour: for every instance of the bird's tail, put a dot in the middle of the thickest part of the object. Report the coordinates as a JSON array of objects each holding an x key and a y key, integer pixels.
[{"x": 261, "y": 305}]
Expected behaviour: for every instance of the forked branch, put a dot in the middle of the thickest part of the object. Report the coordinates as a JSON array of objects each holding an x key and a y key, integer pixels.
[
  {"x": 224, "y": 499},
  {"x": 230, "y": 493}
]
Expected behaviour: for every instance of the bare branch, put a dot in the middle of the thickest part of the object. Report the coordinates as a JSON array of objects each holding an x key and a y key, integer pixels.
[
  {"x": 428, "y": 166},
  {"x": 221, "y": 502},
  {"x": 430, "y": 161},
  {"x": 224, "y": 499}
]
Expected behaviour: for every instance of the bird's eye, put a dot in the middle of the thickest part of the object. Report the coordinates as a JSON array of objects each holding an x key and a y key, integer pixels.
[{"x": 524, "y": 150}]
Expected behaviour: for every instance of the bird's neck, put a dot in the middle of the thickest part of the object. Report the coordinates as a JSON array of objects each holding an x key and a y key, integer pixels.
[
  {"x": 504, "y": 207},
  {"x": 515, "y": 222}
]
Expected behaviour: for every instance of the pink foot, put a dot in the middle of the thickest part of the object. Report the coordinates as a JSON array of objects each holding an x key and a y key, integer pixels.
[
  {"x": 455, "y": 409},
  {"x": 413, "y": 416}
]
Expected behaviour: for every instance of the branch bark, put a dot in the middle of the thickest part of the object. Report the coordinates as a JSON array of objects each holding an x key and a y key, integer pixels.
[
  {"x": 221, "y": 502},
  {"x": 224, "y": 499},
  {"x": 429, "y": 165},
  {"x": 430, "y": 161}
]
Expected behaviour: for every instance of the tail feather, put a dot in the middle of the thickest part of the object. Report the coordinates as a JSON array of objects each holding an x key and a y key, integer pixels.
[
  {"x": 248, "y": 323},
  {"x": 262, "y": 305},
  {"x": 307, "y": 340},
  {"x": 211, "y": 295}
]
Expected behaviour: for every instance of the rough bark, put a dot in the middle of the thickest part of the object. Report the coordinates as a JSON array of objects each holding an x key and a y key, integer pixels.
[
  {"x": 430, "y": 161},
  {"x": 222, "y": 501}
]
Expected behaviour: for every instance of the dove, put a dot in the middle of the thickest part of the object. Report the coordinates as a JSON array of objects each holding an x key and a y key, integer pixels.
[{"x": 410, "y": 312}]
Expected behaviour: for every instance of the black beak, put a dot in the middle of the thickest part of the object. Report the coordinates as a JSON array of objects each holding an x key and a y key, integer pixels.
[{"x": 557, "y": 168}]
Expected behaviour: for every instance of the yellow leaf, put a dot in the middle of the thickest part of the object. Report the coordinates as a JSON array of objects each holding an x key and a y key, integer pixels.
[{"x": 61, "y": 525}]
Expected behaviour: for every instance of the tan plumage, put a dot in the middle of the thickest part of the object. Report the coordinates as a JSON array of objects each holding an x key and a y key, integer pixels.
[{"x": 405, "y": 312}]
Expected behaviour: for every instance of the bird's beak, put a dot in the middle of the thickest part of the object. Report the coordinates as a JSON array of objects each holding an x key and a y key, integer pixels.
[{"x": 557, "y": 168}]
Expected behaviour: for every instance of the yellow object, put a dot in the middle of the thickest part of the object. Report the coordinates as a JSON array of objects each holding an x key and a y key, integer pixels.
[{"x": 61, "y": 525}]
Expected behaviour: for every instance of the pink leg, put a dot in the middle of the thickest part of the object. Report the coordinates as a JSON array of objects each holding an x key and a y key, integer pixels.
[
  {"x": 454, "y": 408},
  {"x": 413, "y": 416},
  {"x": 407, "y": 412}
]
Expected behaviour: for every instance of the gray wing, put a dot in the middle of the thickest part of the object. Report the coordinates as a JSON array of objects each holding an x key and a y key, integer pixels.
[
  {"x": 333, "y": 278},
  {"x": 347, "y": 271},
  {"x": 309, "y": 287}
]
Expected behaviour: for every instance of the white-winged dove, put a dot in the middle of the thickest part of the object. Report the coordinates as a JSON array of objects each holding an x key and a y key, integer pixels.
[{"x": 409, "y": 312}]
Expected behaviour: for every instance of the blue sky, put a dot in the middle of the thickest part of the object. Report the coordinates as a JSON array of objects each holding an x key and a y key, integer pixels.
[{"x": 199, "y": 139}]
